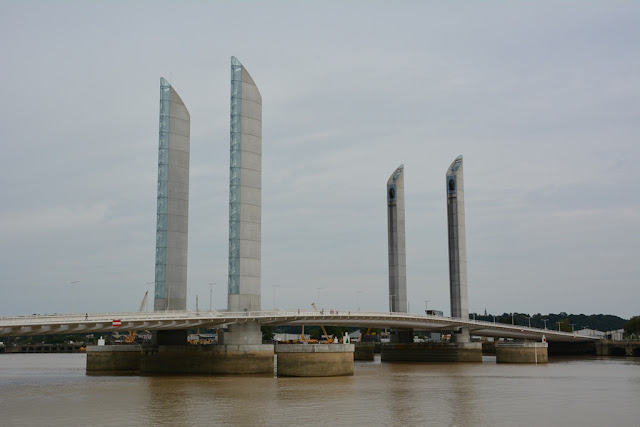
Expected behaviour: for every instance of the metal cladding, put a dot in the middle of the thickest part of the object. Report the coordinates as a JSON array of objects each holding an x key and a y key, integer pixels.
[
  {"x": 245, "y": 191},
  {"x": 396, "y": 239},
  {"x": 173, "y": 202},
  {"x": 457, "y": 240}
]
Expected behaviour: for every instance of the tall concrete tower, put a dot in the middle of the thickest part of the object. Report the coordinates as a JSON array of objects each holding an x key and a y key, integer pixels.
[
  {"x": 396, "y": 240},
  {"x": 245, "y": 191},
  {"x": 172, "y": 224},
  {"x": 245, "y": 203},
  {"x": 457, "y": 246}
]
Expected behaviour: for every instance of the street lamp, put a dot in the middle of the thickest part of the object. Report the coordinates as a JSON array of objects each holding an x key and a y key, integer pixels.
[
  {"x": 573, "y": 329},
  {"x": 426, "y": 309},
  {"x": 274, "y": 296},
  {"x": 558, "y": 325},
  {"x": 71, "y": 283},
  {"x": 545, "y": 323},
  {"x": 211, "y": 296},
  {"x": 512, "y": 321},
  {"x": 529, "y": 320}
]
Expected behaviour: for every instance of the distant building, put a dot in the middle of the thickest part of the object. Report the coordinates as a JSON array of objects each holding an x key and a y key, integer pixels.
[
  {"x": 590, "y": 333},
  {"x": 616, "y": 335},
  {"x": 289, "y": 337}
]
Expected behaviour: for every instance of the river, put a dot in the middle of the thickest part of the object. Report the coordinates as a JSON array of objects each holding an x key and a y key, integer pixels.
[{"x": 53, "y": 389}]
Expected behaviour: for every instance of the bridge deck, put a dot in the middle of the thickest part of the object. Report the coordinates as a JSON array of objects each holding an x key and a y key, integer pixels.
[{"x": 168, "y": 320}]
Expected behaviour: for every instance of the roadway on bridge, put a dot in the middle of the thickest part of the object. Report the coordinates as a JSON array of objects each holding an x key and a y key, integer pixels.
[{"x": 188, "y": 319}]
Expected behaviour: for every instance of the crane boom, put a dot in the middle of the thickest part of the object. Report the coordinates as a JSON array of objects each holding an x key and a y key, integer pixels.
[
  {"x": 329, "y": 340},
  {"x": 130, "y": 339}
]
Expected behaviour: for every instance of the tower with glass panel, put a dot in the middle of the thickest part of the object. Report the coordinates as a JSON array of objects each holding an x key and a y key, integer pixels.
[
  {"x": 457, "y": 246},
  {"x": 245, "y": 192},
  {"x": 396, "y": 241},
  {"x": 173, "y": 202}
]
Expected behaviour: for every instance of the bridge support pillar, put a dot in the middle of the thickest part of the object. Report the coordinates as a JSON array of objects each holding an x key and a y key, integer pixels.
[
  {"x": 248, "y": 333},
  {"x": 113, "y": 359},
  {"x": 172, "y": 337},
  {"x": 180, "y": 359},
  {"x": 521, "y": 352},
  {"x": 401, "y": 336},
  {"x": 364, "y": 351},
  {"x": 460, "y": 336},
  {"x": 314, "y": 360},
  {"x": 432, "y": 352},
  {"x": 208, "y": 359}
]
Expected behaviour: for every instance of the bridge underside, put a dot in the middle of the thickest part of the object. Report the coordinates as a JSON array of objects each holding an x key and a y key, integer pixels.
[{"x": 175, "y": 320}]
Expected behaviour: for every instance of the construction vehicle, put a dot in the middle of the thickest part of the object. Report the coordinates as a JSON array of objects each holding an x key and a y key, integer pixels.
[
  {"x": 130, "y": 339},
  {"x": 324, "y": 331}
]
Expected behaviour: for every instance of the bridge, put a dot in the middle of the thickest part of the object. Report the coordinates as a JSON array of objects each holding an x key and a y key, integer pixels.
[{"x": 188, "y": 319}]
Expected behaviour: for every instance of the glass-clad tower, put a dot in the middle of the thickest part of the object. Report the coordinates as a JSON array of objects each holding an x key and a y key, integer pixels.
[
  {"x": 396, "y": 241},
  {"x": 457, "y": 245},
  {"x": 245, "y": 191},
  {"x": 173, "y": 202}
]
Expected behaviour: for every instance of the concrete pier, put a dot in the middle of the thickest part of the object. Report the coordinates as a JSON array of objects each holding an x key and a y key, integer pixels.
[
  {"x": 314, "y": 360},
  {"x": 181, "y": 359},
  {"x": 364, "y": 351},
  {"x": 113, "y": 359},
  {"x": 618, "y": 348},
  {"x": 521, "y": 352},
  {"x": 432, "y": 352},
  {"x": 208, "y": 359}
]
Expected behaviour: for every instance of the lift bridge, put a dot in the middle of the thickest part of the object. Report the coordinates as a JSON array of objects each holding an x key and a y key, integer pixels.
[{"x": 188, "y": 319}]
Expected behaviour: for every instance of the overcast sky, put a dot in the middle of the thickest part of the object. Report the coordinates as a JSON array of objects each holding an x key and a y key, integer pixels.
[{"x": 542, "y": 99}]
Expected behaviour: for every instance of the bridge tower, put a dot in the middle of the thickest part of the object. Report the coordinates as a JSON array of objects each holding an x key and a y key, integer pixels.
[
  {"x": 172, "y": 217},
  {"x": 397, "y": 252},
  {"x": 457, "y": 247},
  {"x": 396, "y": 239},
  {"x": 245, "y": 204}
]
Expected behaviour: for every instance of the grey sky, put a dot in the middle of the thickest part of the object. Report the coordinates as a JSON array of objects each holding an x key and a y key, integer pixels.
[{"x": 542, "y": 99}]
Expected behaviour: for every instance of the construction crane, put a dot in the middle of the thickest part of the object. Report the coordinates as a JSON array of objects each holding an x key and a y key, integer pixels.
[
  {"x": 129, "y": 339},
  {"x": 329, "y": 340}
]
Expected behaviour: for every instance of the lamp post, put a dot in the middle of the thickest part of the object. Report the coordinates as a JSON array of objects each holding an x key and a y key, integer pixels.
[
  {"x": 573, "y": 329},
  {"x": 426, "y": 309},
  {"x": 558, "y": 325},
  {"x": 71, "y": 283},
  {"x": 211, "y": 296},
  {"x": 545, "y": 323},
  {"x": 512, "y": 319},
  {"x": 529, "y": 320},
  {"x": 274, "y": 296}
]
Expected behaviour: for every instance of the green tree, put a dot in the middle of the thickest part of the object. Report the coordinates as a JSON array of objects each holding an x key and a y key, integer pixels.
[
  {"x": 632, "y": 327},
  {"x": 267, "y": 333}
]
